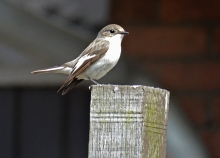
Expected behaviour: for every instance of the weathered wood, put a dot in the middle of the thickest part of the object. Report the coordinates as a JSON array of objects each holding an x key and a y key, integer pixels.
[{"x": 128, "y": 122}]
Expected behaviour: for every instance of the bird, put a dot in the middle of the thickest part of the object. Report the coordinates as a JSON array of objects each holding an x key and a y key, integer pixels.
[{"x": 94, "y": 62}]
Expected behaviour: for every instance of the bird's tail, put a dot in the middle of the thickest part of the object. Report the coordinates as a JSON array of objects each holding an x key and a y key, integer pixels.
[{"x": 56, "y": 69}]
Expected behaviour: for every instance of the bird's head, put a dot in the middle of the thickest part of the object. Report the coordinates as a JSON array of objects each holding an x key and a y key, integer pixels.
[{"x": 111, "y": 31}]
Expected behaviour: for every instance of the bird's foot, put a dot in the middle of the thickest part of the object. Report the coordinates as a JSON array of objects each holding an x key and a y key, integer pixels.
[{"x": 93, "y": 81}]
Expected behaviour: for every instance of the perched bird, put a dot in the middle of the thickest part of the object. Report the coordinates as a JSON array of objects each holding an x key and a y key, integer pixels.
[{"x": 94, "y": 62}]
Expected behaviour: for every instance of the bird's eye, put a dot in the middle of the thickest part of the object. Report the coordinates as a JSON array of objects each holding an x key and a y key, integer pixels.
[{"x": 112, "y": 31}]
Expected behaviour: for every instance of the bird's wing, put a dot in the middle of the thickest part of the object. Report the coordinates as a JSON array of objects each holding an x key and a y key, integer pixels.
[
  {"x": 71, "y": 85},
  {"x": 90, "y": 55}
]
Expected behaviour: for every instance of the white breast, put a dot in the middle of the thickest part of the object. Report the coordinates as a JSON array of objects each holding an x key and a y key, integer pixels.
[{"x": 107, "y": 62}]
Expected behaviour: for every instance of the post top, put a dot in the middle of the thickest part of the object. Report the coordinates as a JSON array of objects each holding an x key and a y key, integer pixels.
[{"x": 116, "y": 88}]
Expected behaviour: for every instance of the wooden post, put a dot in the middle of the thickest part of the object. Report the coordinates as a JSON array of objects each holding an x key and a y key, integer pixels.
[{"x": 128, "y": 122}]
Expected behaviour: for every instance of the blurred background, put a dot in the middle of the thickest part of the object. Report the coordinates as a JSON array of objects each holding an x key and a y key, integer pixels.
[{"x": 173, "y": 44}]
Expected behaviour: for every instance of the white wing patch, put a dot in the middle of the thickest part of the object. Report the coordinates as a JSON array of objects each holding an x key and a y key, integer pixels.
[{"x": 82, "y": 60}]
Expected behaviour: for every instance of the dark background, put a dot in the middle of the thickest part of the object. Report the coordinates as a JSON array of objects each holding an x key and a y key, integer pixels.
[{"x": 40, "y": 123}]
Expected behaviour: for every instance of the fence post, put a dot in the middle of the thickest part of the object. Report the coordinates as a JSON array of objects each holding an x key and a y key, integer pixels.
[{"x": 128, "y": 122}]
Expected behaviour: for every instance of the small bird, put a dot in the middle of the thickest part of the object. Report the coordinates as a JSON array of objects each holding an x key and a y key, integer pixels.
[{"x": 94, "y": 62}]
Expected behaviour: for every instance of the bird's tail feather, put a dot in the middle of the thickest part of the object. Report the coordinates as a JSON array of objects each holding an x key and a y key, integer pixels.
[{"x": 55, "y": 69}]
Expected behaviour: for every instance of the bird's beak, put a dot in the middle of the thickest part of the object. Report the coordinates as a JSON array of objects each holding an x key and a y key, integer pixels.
[{"x": 124, "y": 32}]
